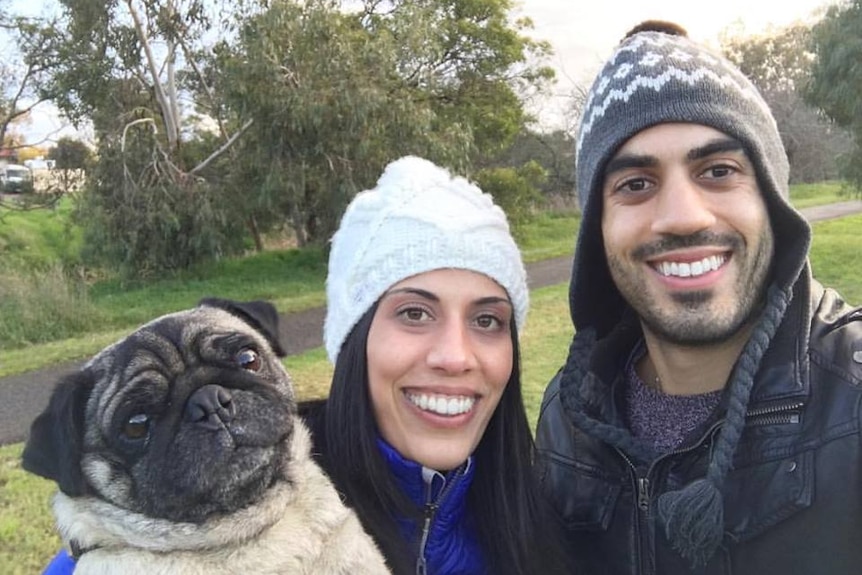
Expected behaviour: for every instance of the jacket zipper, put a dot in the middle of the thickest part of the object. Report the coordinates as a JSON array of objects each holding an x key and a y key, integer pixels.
[
  {"x": 778, "y": 414},
  {"x": 431, "y": 508},
  {"x": 643, "y": 484}
]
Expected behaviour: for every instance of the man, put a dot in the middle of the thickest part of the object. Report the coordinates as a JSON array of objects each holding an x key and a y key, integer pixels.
[{"x": 707, "y": 419}]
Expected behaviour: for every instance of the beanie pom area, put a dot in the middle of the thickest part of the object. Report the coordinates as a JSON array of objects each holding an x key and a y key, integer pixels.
[{"x": 693, "y": 518}]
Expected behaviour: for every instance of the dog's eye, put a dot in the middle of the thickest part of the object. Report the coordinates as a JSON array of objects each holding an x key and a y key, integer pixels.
[
  {"x": 248, "y": 359},
  {"x": 137, "y": 426}
]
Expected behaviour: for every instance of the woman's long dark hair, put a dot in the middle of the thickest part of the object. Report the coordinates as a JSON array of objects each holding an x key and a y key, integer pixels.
[{"x": 518, "y": 535}]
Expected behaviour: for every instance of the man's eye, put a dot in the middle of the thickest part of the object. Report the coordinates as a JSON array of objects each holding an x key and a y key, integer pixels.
[
  {"x": 633, "y": 185},
  {"x": 719, "y": 171},
  {"x": 248, "y": 359}
]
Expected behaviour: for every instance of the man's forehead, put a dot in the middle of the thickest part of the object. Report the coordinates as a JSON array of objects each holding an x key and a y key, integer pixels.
[{"x": 691, "y": 141}]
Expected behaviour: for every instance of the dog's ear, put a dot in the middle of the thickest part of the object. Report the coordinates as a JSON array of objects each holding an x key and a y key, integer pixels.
[
  {"x": 260, "y": 314},
  {"x": 55, "y": 445}
]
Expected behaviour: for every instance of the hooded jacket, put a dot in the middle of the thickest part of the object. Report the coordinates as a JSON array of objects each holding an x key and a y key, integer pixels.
[{"x": 793, "y": 498}]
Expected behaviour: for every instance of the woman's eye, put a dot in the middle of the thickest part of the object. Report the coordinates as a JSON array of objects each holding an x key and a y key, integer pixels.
[
  {"x": 248, "y": 359},
  {"x": 489, "y": 322},
  {"x": 414, "y": 314},
  {"x": 137, "y": 426}
]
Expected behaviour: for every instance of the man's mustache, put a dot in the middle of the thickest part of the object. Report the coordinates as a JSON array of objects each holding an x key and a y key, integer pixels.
[{"x": 704, "y": 238}]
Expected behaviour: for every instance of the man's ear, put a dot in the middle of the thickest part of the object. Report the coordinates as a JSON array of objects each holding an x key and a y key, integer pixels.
[
  {"x": 56, "y": 442},
  {"x": 259, "y": 314}
]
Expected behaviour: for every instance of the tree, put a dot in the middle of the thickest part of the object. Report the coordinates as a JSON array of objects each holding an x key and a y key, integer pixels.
[
  {"x": 335, "y": 95},
  {"x": 72, "y": 159},
  {"x": 836, "y": 79},
  {"x": 23, "y": 68},
  {"x": 779, "y": 63},
  {"x": 149, "y": 207}
]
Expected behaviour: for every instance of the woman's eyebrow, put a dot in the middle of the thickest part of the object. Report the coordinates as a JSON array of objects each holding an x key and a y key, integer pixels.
[{"x": 415, "y": 291}]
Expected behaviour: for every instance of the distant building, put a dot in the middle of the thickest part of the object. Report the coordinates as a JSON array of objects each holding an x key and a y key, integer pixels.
[{"x": 8, "y": 156}]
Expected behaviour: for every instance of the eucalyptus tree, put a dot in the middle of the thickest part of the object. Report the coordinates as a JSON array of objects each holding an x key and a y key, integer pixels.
[
  {"x": 149, "y": 206},
  {"x": 836, "y": 80},
  {"x": 338, "y": 90},
  {"x": 780, "y": 65}
]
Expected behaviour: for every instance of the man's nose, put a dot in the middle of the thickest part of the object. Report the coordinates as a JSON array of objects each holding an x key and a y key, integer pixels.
[{"x": 682, "y": 207}]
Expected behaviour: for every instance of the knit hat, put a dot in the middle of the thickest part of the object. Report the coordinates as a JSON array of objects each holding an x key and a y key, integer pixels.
[
  {"x": 657, "y": 75},
  {"x": 418, "y": 218}
]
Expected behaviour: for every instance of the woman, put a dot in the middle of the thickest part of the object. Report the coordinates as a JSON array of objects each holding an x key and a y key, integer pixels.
[{"x": 424, "y": 431}]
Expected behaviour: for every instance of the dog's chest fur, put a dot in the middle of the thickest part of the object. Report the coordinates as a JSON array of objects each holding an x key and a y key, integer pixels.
[{"x": 303, "y": 529}]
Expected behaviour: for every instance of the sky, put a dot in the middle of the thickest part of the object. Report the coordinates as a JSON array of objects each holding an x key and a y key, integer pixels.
[{"x": 584, "y": 32}]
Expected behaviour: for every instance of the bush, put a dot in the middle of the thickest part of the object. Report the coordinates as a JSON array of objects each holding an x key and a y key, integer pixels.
[
  {"x": 516, "y": 190},
  {"x": 42, "y": 306}
]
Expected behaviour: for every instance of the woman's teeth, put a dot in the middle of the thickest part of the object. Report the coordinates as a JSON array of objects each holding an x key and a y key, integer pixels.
[
  {"x": 690, "y": 269},
  {"x": 442, "y": 404}
]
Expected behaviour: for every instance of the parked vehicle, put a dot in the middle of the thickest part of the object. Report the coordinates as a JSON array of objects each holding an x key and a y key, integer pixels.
[{"x": 16, "y": 179}]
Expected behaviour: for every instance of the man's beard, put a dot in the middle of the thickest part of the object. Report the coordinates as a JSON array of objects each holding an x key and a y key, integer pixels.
[{"x": 691, "y": 321}]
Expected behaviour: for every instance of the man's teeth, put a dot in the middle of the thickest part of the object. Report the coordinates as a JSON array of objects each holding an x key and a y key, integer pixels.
[
  {"x": 691, "y": 269},
  {"x": 442, "y": 404}
]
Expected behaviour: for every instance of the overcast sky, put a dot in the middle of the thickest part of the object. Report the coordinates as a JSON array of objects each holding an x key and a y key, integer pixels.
[{"x": 583, "y": 33}]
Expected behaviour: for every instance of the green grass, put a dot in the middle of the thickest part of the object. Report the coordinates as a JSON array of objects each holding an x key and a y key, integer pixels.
[
  {"x": 38, "y": 238},
  {"x": 836, "y": 258},
  {"x": 810, "y": 195}
]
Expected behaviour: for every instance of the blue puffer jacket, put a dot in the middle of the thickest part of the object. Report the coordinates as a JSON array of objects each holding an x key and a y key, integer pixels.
[
  {"x": 61, "y": 564},
  {"x": 445, "y": 541}
]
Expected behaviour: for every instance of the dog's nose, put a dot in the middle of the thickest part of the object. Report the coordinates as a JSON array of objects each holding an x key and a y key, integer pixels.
[{"x": 211, "y": 407}]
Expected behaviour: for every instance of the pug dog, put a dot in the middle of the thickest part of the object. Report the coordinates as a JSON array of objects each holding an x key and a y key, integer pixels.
[{"x": 179, "y": 449}]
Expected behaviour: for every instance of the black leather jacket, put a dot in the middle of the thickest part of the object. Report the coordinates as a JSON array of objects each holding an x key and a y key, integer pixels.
[{"x": 793, "y": 500}]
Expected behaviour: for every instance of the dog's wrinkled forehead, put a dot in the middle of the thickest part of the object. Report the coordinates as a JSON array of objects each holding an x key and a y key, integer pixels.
[{"x": 175, "y": 341}]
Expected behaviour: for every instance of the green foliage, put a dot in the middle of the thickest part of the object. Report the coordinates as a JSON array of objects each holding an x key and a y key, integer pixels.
[
  {"x": 70, "y": 154},
  {"x": 37, "y": 307},
  {"x": 144, "y": 217},
  {"x": 514, "y": 189},
  {"x": 837, "y": 77},
  {"x": 39, "y": 238}
]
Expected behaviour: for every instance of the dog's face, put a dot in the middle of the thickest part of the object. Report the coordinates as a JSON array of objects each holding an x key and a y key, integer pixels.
[{"x": 189, "y": 416}]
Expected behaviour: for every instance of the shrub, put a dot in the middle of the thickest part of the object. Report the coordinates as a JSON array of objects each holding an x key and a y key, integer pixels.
[{"x": 42, "y": 306}]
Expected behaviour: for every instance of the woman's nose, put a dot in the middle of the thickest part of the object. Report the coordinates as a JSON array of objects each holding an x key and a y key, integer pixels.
[{"x": 451, "y": 351}]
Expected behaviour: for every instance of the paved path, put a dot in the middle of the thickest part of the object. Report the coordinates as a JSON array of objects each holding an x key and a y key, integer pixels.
[{"x": 23, "y": 396}]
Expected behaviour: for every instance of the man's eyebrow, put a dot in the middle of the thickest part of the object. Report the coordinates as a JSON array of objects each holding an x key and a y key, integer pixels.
[
  {"x": 716, "y": 146},
  {"x": 626, "y": 161}
]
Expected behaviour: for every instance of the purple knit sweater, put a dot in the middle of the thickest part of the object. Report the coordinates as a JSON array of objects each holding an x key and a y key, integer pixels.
[{"x": 661, "y": 419}]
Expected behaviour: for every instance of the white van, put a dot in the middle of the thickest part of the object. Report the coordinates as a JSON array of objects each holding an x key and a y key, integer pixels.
[{"x": 15, "y": 179}]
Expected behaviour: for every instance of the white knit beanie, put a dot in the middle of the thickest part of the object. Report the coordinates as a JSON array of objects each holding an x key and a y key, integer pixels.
[{"x": 418, "y": 218}]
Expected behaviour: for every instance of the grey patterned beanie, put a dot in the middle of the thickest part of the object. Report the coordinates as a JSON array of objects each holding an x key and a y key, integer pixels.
[{"x": 657, "y": 77}]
